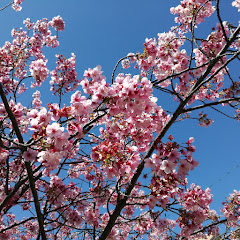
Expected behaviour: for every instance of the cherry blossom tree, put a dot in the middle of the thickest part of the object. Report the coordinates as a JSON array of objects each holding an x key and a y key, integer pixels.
[{"x": 105, "y": 165}]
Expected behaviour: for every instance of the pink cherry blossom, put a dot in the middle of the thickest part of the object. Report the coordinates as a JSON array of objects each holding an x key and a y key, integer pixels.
[
  {"x": 30, "y": 155},
  {"x": 125, "y": 63},
  {"x": 54, "y": 130},
  {"x": 102, "y": 156},
  {"x": 58, "y": 23},
  {"x": 39, "y": 71},
  {"x": 236, "y": 3},
  {"x": 174, "y": 155},
  {"x": 167, "y": 166},
  {"x": 16, "y": 5}
]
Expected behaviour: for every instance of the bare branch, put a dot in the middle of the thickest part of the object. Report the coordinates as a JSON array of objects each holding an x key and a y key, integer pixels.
[{"x": 210, "y": 104}]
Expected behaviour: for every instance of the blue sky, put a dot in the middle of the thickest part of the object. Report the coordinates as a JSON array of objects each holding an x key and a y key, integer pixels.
[{"x": 101, "y": 32}]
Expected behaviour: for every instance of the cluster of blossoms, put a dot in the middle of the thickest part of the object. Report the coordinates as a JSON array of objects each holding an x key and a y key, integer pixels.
[
  {"x": 164, "y": 57},
  {"x": 39, "y": 71},
  {"x": 134, "y": 115},
  {"x": 231, "y": 208},
  {"x": 95, "y": 84},
  {"x": 204, "y": 121},
  {"x": 19, "y": 112},
  {"x": 36, "y": 99},
  {"x": 167, "y": 180},
  {"x": 15, "y": 56},
  {"x": 210, "y": 49},
  {"x": 168, "y": 158},
  {"x": 84, "y": 156},
  {"x": 17, "y": 5},
  {"x": 195, "y": 202},
  {"x": 64, "y": 75},
  {"x": 236, "y": 3},
  {"x": 192, "y": 11},
  {"x": 117, "y": 161},
  {"x": 126, "y": 63},
  {"x": 58, "y": 23}
]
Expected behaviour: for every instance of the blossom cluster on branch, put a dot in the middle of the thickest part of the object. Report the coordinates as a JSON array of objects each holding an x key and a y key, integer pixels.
[{"x": 105, "y": 165}]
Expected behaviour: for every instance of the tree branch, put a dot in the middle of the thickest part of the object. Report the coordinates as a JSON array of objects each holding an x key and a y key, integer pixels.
[
  {"x": 27, "y": 164},
  {"x": 122, "y": 203},
  {"x": 210, "y": 104}
]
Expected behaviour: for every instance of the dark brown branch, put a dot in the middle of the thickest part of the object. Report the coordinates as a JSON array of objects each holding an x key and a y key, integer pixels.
[
  {"x": 193, "y": 24},
  {"x": 36, "y": 200},
  {"x": 27, "y": 164},
  {"x": 24, "y": 189},
  {"x": 15, "y": 189},
  {"x": 122, "y": 203},
  {"x": 156, "y": 81},
  {"x": 217, "y": 71},
  {"x": 7, "y": 175},
  {"x": 115, "y": 68},
  {"x": 209, "y": 225},
  {"x": 201, "y": 81},
  {"x": 7, "y": 6},
  {"x": 85, "y": 127},
  {"x": 220, "y": 21},
  {"x": 210, "y": 104},
  {"x": 17, "y": 224},
  {"x": 11, "y": 116}
]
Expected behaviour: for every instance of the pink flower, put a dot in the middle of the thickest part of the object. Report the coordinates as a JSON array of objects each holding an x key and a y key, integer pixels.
[
  {"x": 44, "y": 117},
  {"x": 36, "y": 99},
  {"x": 174, "y": 155},
  {"x": 39, "y": 71},
  {"x": 54, "y": 130},
  {"x": 49, "y": 159},
  {"x": 58, "y": 23},
  {"x": 16, "y": 5},
  {"x": 190, "y": 140},
  {"x": 30, "y": 155},
  {"x": 152, "y": 202},
  {"x": 184, "y": 167},
  {"x": 42, "y": 27},
  {"x": 64, "y": 77},
  {"x": 125, "y": 63},
  {"x": 28, "y": 23},
  {"x": 61, "y": 141},
  {"x": 79, "y": 104},
  {"x": 185, "y": 11},
  {"x": 167, "y": 166},
  {"x": 236, "y": 3},
  {"x": 132, "y": 57}
]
